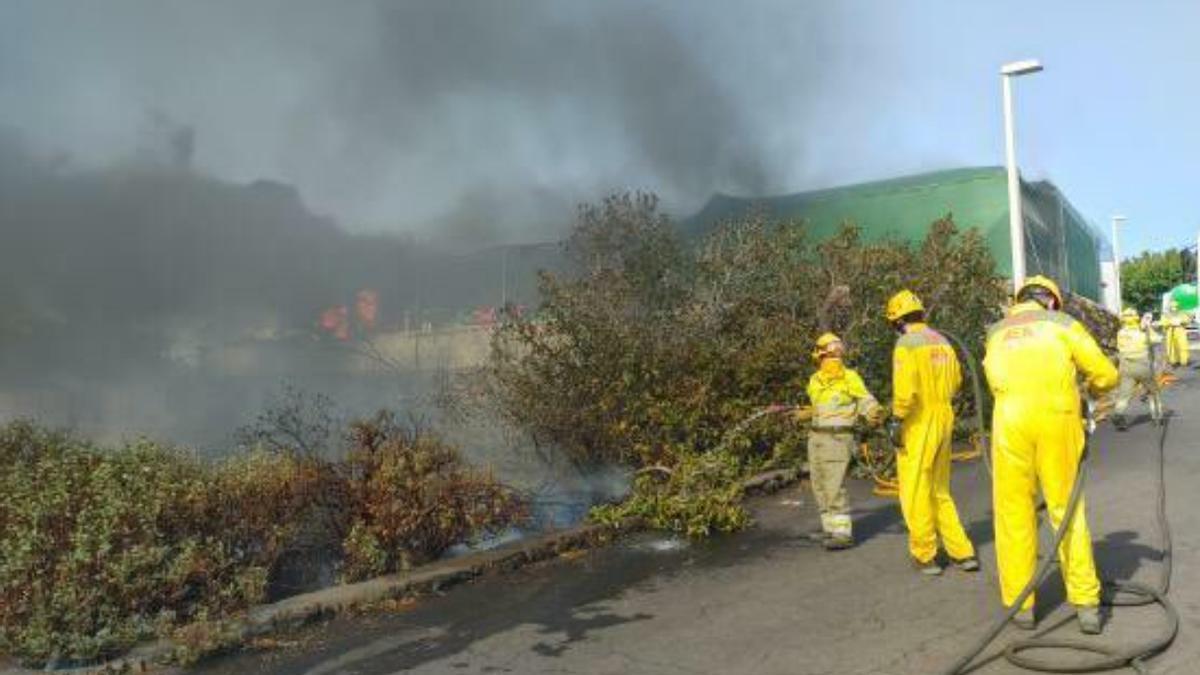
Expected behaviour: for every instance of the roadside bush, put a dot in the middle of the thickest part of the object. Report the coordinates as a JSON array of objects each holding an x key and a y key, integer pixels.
[
  {"x": 103, "y": 547},
  {"x": 414, "y": 497},
  {"x": 268, "y": 506},
  {"x": 654, "y": 347}
]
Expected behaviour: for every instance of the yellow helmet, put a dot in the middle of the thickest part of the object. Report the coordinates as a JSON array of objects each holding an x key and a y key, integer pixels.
[
  {"x": 828, "y": 345},
  {"x": 1043, "y": 282},
  {"x": 1129, "y": 315},
  {"x": 902, "y": 304}
]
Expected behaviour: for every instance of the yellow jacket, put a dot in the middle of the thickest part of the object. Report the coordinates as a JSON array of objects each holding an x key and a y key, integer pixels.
[
  {"x": 925, "y": 372},
  {"x": 1035, "y": 355},
  {"x": 1133, "y": 343},
  {"x": 838, "y": 397},
  {"x": 1173, "y": 321}
]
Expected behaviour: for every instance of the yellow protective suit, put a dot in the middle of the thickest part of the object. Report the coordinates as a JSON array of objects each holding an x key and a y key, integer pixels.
[
  {"x": 838, "y": 397},
  {"x": 1033, "y": 359},
  {"x": 1175, "y": 325},
  {"x": 925, "y": 376}
]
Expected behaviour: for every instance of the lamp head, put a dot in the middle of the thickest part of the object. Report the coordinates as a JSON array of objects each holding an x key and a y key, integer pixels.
[{"x": 1021, "y": 67}]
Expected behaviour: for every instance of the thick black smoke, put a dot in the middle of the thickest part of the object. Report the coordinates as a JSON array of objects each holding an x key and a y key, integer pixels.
[
  {"x": 125, "y": 257},
  {"x": 122, "y": 288},
  {"x": 392, "y": 114},
  {"x": 164, "y": 167},
  {"x": 579, "y": 76}
]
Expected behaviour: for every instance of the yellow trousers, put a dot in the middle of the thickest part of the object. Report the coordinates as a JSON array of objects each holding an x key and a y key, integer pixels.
[
  {"x": 1177, "y": 346},
  {"x": 1034, "y": 447},
  {"x": 923, "y": 474}
]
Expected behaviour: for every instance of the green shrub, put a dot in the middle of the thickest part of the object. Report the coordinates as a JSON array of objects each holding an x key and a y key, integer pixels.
[{"x": 103, "y": 548}]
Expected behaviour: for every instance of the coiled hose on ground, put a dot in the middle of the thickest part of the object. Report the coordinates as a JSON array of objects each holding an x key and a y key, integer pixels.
[{"x": 1117, "y": 593}]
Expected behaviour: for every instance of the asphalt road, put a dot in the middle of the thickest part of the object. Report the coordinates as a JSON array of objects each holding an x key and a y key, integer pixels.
[{"x": 767, "y": 602}]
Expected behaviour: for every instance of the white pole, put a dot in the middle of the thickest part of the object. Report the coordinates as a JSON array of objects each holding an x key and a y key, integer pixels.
[
  {"x": 504, "y": 277},
  {"x": 1116, "y": 220},
  {"x": 1016, "y": 225}
]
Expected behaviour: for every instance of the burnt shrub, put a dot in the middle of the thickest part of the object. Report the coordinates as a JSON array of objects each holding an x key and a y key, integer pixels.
[
  {"x": 413, "y": 497},
  {"x": 103, "y": 547}
]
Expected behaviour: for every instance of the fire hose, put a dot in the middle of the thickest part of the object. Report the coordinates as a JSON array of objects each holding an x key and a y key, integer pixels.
[
  {"x": 876, "y": 469},
  {"x": 885, "y": 486},
  {"x": 1118, "y": 593}
]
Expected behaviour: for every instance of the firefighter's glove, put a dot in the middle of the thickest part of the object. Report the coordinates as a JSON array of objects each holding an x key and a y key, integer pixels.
[
  {"x": 894, "y": 433},
  {"x": 803, "y": 414}
]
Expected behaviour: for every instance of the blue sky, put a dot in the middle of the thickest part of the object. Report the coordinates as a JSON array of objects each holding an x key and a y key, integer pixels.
[
  {"x": 1112, "y": 119},
  {"x": 408, "y": 116}
]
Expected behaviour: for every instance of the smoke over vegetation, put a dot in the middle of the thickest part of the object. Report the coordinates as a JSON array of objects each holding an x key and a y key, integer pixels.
[
  {"x": 561, "y": 72},
  {"x": 178, "y": 177},
  {"x": 123, "y": 287},
  {"x": 427, "y": 116}
]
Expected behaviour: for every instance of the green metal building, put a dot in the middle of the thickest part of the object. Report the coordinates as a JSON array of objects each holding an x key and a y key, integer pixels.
[{"x": 1058, "y": 241}]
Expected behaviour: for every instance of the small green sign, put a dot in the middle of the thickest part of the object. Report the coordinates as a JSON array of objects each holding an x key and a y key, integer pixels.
[{"x": 1184, "y": 295}]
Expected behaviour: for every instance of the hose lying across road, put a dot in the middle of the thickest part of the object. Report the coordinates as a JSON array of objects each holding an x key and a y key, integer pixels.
[{"x": 1099, "y": 657}]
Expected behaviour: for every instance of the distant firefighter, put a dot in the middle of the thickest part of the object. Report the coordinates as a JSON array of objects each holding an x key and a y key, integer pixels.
[
  {"x": 366, "y": 308},
  {"x": 336, "y": 322},
  {"x": 1175, "y": 325},
  {"x": 1134, "y": 346}
]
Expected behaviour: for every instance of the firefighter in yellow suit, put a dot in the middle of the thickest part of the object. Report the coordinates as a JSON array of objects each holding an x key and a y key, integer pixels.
[
  {"x": 1033, "y": 359},
  {"x": 1136, "y": 367},
  {"x": 838, "y": 398},
  {"x": 1175, "y": 325},
  {"x": 925, "y": 376}
]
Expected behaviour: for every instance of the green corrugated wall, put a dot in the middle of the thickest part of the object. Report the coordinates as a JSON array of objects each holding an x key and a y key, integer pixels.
[{"x": 1059, "y": 241}]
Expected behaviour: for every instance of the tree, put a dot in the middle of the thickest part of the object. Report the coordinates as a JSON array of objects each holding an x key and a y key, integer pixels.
[
  {"x": 652, "y": 347},
  {"x": 1145, "y": 278},
  {"x": 655, "y": 352}
]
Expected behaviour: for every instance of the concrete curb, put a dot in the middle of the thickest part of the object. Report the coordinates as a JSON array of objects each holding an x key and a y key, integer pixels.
[{"x": 298, "y": 610}]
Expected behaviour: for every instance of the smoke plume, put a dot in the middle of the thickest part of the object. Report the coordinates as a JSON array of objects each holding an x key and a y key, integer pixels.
[
  {"x": 181, "y": 176},
  {"x": 391, "y": 115}
]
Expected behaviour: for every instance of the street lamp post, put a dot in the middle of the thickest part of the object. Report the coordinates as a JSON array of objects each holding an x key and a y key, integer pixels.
[
  {"x": 503, "y": 277},
  {"x": 1198, "y": 274},
  {"x": 1016, "y": 225},
  {"x": 1117, "y": 220}
]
